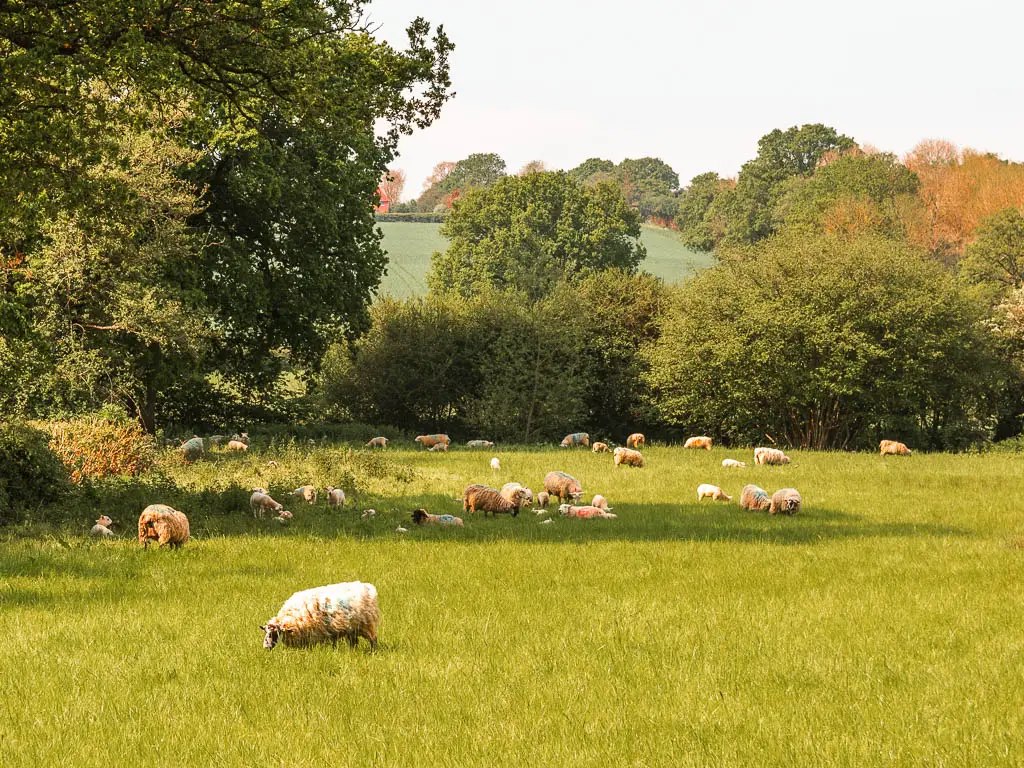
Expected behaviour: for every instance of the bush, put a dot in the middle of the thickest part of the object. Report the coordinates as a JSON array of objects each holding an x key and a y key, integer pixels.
[
  {"x": 95, "y": 447},
  {"x": 31, "y": 475},
  {"x": 436, "y": 217}
]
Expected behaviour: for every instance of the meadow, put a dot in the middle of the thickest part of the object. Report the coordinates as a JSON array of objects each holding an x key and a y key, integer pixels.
[
  {"x": 409, "y": 246},
  {"x": 881, "y": 626}
]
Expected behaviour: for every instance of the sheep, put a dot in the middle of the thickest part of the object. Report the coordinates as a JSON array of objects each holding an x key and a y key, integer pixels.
[
  {"x": 786, "y": 500},
  {"x": 713, "y": 492},
  {"x": 237, "y": 445},
  {"x": 368, "y": 513},
  {"x": 307, "y": 492},
  {"x": 893, "y": 448},
  {"x": 163, "y": 524},
  {"x": 479, "y": 444},
  {"x": 438, "y": 448},
  {"x": 241, "y": 438},
  {"x": 217, "y": 440},
  {"x": 600, "y": 502},
  {"x": 754, "y": 499},
  {"x": 698, "y": 442},
  {"x": 586, "y": 513},
  {"x": 769, "y": 456},
  {"x": 284, "y": 517},
  {"x": 326, "y": 614},
  {"x": 599, "y": 447},
  {"x": 102, "y": 528},
  {"x": 732, "y": 464},
  {"x": 636, "y": 440},
  {"x": 429, "y": 441},
  {"x": 335, "y": 497},
  {"x": 192, "y": 449},
  {"x": 495, "y": 464},
  {"x": 576, "y": 438},
  {"x": 628, "y": 456},
  {"x": 422, "y": 517},
  {"x": 562, "y": 486},
  {"x": 513, "y": 491},
  {"x": 377, "y": 442},
  {"x": 260, "y": 502},
  {"x": 488, "y": 500},
  {"x": 543, "y": 499}
]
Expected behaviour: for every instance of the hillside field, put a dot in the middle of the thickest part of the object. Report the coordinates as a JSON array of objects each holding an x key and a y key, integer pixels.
[
  {"x": 881, "y": 626},
  {"x": 409, "y": 247}
]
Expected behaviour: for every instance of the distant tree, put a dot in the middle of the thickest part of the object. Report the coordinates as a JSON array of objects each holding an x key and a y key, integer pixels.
[
  {"x": 440, "y": 173},
  {"x": 477, "y": 170},
  {"x": 695, "y": 225},
  {"x": 534, "y": 166},
  {"x": 585, "y": 171},
  {"x": 392, "y": 182},
  {"x": 997, "y": 254},
  {"x": 530, "y": 232},
  {"x": 650, "y": 185}
]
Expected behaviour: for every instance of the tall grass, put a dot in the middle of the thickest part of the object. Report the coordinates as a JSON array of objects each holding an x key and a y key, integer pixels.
[{"x": 882, "y": 626}]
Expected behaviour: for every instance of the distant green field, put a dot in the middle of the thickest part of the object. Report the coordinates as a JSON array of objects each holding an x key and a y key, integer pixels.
[{"x": 409, "y": 247}]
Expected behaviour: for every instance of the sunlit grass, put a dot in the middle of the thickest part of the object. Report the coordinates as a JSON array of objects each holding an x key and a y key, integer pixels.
[{"x": 880, "y": 626}]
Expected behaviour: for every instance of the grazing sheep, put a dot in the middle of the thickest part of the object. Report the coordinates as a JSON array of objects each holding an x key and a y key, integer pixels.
[
  {"x": 713, "y": 492},
  {"x": 378, "y": 442},
  {"x": 429, "y": 441},
  {"x": 237, "y": 445},
  {"x": 326, "y": 614},
  {"x": 893, "y": 448},
  {"x": 192, "y": 449},
  {"x": 488, "y": 500},
  {"x": 732, "y": 463},
  {"x": 636, "y": 440},
  {"x": 599, "y": 448},
  {"x": 585, "y": 513},
  {"x": 260, "y": 503},
  {"x": 163, "y": 524},
  {"x": 335, "y": 497},
  {"x": 307, "y": 492},
  {"x": 479, "y": 444},
  {"x": 600, "y": 502},
  {"x": 513, "y": 491},
  {"x": 628, "y": 456},
  {"x": 495, "y": 464},
  {"x": 102, "y": 528},
  {"x": 562, "y": 487},
  {"x": 754, "y": 499},
  {"x": 422, "y": 517},
  {"x": 543, "y": 499},
  {"x": 242, "y": 438},
  {"x": 698, "y": 442},
  {"x": 576, "y": 438},
  {"x": 439, "y": 448},
  {"x": 770, "y": 456},
  {"x": 786, "y": 501}
]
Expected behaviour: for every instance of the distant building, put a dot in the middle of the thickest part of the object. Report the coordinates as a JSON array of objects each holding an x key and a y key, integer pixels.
[{"x": 385, "y": 202}]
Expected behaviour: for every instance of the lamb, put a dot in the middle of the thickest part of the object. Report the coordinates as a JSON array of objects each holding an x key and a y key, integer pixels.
[
  {"x": 242, "y": 438},
  {"x": 368, "y": 513},
  {"x": 480, "y": 497},
  {"x": 600, "y": 502},
  {"x": 237, "y": 445},
  {"x": 326, "y": 614},
  {"x": 163, "y": 524},
  {"x": 422, "y": 517},
  {"x": 284, "y": 517},
  {"x": 576, "y": 438},
  {"x": 787, "y": 501},
  {"x": 377, "y": 442},
  {"x": 495, "y": 464},
  {"x": 192, "y": 449},
  {"x": 733, "y": 464},
  {"x": 543, "y": 499},
  {"x": 335, "y": 497},
  {"x": 754, "y": 499},
  {"x": 586, "y": 513},
  {"x": 769, "y": 456},
  {"x": 893, "y": 448},
  {"x": 636, "y": 440},
  {"x": 429, "y": 441},
  {"x": 102, "y": 528},
  {"x": 562, "y": 486},
  {"x": 628, "y": 456},
  {"x": 711, "y": 491},
  {"x": 702, "y": 441},
  {"x": 439, "y": 448},
  {"x": 307, "y": 492},
  {"x": 260, "y": 502},
  {"x": 479, "y": 444},
  {"x": 599, "y": 448},
  {"x": 513, "y": 491}
]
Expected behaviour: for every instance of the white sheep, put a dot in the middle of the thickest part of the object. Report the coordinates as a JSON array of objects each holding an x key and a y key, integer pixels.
[
  {"x": 733, "y": 464},
  {"x": 368, "y": 513},
  {"x": 706, "y": 490},
  {"x": 509, "y": 492},
  {"x": 237, "y": 445},
  {"x": 335, "y": 497},
  {"x": 102, "y": 528},
  {"x": 326, "y": 614},
  {"x": 495, "y": 464},
  {"x": 307, "y": 492},
  {"x": 600, "y": 502},
  {"x": 260, "y": 503},
  {"x": 769, "y": 456},
  {"x": 786, "y": 501}
]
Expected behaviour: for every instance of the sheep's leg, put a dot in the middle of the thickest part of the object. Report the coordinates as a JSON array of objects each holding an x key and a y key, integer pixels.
[{"x": 353, "y": 640}]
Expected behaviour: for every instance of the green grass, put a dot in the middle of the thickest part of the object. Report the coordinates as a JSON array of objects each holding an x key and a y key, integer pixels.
[
  {"x": 882, "y": 626},
  {"x": 409, "y": 247}
]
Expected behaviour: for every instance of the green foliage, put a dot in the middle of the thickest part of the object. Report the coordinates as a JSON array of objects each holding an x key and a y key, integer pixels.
[
  {"x": 478, "y": 170},
  {"x": 411, "y": 217},
  {"x": 696, "y": 229},
  {"x": 589, "y": 168},
  {"x": 826, "y": 342},
  {"x": 648, "y": 184},
  {"x": 996, "y": 257},
  {"x": 530, "y": 232},
  {"x": 31, "y": 473}
]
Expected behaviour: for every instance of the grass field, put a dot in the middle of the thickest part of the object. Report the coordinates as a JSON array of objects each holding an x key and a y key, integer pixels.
[
  {"x": 409, "y": 247},
  {"x": 882, "y": 626}
]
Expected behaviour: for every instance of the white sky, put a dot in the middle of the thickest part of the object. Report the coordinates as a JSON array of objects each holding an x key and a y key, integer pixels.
[{"x": 697, "y": 83}]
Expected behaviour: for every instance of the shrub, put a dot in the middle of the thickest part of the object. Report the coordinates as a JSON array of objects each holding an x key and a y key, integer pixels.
[
  {"x": 31, "y": 473},
  {"x": 94, "y": 447},
  {"x": 436, "y": 217}
]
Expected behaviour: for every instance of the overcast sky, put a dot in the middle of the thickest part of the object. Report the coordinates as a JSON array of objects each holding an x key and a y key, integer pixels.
[{"x": 697, "y": 83}]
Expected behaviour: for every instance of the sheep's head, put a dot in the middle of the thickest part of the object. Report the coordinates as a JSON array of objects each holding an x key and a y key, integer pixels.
[
  {"x": 272, "y": 634},
  {"x": 785, "y": 460},
  {"x": 563, "y": 509},
  {"x": 419, "y": 515},
  {"x": 420, "y": 439},
  {"x": 576, "y": 495},
  {"x": 105, "y": 521}
]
